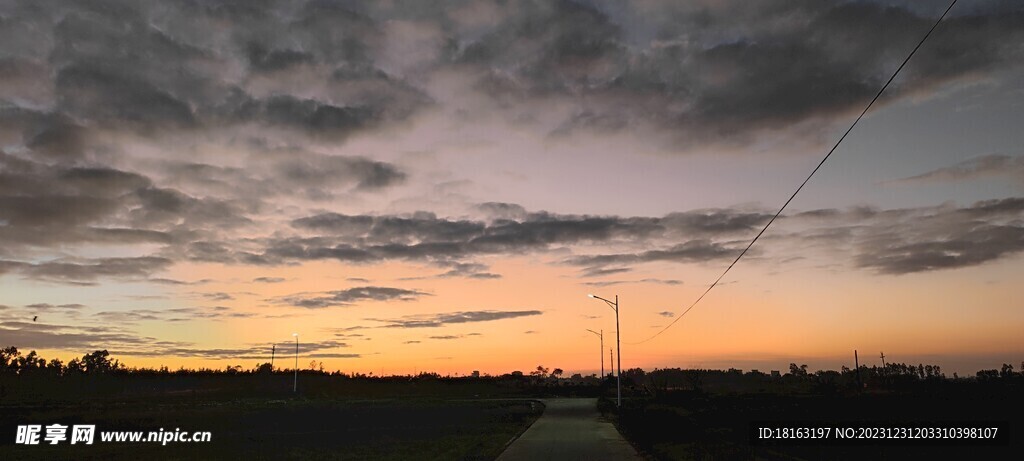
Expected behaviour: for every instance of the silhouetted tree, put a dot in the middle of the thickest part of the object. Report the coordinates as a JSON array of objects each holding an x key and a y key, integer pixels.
[
  {"x": 55, "y": 367},
  {"x": 695, "y": 380},
  {"x": 8, "y": 359},
  {"x": 30, "y": 363},
  {"x": 557, "y": 372},
  {"x": 99, "y": 362},
  {"x": 984, "y": 375}
]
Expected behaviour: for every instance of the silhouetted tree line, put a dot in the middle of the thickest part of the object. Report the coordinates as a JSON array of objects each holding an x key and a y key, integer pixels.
[
  {"x": 800, "y": 379},
  {"x": 31, "y": 378},
  {"x": 13, "y": 362}
]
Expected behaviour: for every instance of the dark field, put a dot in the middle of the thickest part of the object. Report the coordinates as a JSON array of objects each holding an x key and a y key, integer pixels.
[
  {"x": 411, "y": 428},
  {"x": 256, "y": 415},
  {"x": 685, "y": 425},
  {"x": 668, "y": 414}
]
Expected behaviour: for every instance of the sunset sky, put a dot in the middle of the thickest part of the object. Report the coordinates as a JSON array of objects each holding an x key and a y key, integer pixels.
[{"x": 436, "y": 186}]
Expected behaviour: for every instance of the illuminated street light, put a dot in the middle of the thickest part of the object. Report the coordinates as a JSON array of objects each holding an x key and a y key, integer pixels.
[{"x": 618, "y": 345}]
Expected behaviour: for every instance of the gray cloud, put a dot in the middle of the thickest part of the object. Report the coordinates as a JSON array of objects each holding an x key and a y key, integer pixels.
[
  {"x": 48, "y": 206},
  {"x": 603, "y": 271},
  {"x": 87, "y": 91},
  {"x": 178, "y": 314},
  {"x": 978, "y": 167},
  {"x": 711, "y": 74},
  {"x": 88, "y": 271},
  {"x": 699, "y": 250},
  {"x": 450, "y": 337},
  {"x": 217, "y": 296},
  {"x": 708, "y": 72},
  {"x": 349, "y": 296},
  {"x": 85, "y": 338},
  {"x": 449, "y": 243},
  {"x": 503, "y": 211},
  {"x": 48, "y": 306},
  {"x": 43, "y": 205},
  {"x": 92, "y": 92},
  {"x": 469, "y": 270},
  {"x": 309, "y": 349},
  {"x": 667, "y": 314},
  {"x": 166, "y": 281},
  {"x": 952, "y": 238},
  {"x": 268, "y": 280},
  {"x": 274, "y": 172},
  {"x": 143, "y": 66},
  {"x": 608, "y": 283},
  {"x": 130, "y": 316},
  {"x": 438, "y": 320},
  {"x": 460, "y": 270},
  {"x": 965, "y": 246},
  {"x": 903, "y": 241}
]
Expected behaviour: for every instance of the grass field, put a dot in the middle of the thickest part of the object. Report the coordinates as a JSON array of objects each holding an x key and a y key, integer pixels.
[{"x": 380, "y": 429}]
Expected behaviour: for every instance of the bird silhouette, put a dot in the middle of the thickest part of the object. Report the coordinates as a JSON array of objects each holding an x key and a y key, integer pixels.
[{"x": 34, "y": 317}]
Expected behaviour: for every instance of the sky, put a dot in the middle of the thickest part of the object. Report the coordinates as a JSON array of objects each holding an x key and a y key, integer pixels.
[{"x": 437, "y": 186}]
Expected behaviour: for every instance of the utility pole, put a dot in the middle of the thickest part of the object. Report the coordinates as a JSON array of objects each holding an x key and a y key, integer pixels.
[
  {"x": 856, "y": 363},
  {"x": 611, "y": 358},
  {"x": 273, "y": 351},
  {"x": 882, "y": 354},
  {"x": 295, "y": 387},
  {"x": 600, "y": 352},
  {"x": 618, "y": 345}
]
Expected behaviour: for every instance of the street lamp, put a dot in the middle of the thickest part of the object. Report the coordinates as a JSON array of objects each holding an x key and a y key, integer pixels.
[
  {"x": 618, "y": 345},
  {"x": 295, "y": 387},
  {"x": 600, "y": 351}
]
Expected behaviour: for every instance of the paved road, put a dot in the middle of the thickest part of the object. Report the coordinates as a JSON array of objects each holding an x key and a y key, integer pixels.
[{"x": 570, "y": 429}]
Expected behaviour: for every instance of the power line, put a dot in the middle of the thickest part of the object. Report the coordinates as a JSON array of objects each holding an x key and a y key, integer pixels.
[{"x": 815, "y": 170}]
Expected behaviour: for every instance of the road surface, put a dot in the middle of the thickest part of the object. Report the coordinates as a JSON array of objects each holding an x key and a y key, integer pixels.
[{"x": 570, "y": 429}]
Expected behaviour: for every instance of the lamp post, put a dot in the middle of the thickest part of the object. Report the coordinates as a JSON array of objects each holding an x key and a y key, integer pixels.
[
  {"x": 295, "y": 387},
  {"x": 600, "y": 351},
  {"x": 618, "y": 346}
]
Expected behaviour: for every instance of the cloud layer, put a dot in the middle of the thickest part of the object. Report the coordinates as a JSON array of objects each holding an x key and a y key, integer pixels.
[
  {"x": 138, "y": 138},
  {"x": 349, "y": 296},
  {"x": 439, "y": 320}
]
